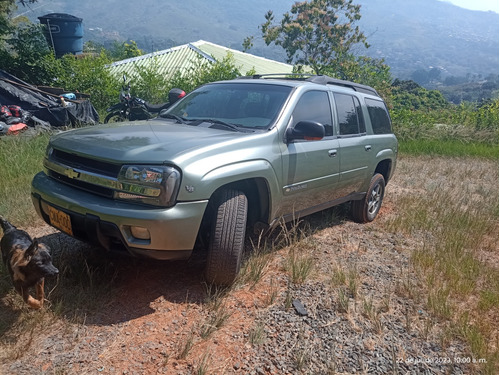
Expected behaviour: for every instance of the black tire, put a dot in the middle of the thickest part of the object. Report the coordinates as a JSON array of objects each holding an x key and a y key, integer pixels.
[
  {"x": 114, "y": 117},
  {"x": 366, "y": 209},
  {"x": 227, "y": 237}
]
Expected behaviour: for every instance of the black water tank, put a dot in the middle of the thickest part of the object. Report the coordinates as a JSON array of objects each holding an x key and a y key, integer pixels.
[{"x": 63, "y": 32}]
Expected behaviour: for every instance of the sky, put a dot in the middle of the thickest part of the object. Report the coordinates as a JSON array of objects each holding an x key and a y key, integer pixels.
[{"x": 477, "y": 4}]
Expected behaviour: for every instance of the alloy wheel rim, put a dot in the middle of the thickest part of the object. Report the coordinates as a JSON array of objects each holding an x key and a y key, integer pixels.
[{"x": 375, "y": 198}]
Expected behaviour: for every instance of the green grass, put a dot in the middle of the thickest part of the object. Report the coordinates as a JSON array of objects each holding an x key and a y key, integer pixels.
[
  {"x": 426, "y": 135},
  {"x": 254, "y": 268},
  {"x": 451, "y": 148},
  {"x": 299, "y": 263},
  {"x": 20, "y": 159},
  {"x": 216, "y": 319},
  {"x": 186, "y": 346},
  {"x": 257, "y": 335}
]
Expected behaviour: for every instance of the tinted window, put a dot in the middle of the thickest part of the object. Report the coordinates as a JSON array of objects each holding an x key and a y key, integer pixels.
[
  {"x": 381, "y": 123},
  {"x": 359, "y": 111},
  {"x": 349, "y": 115},
  {"x": 314, "y": 106}
]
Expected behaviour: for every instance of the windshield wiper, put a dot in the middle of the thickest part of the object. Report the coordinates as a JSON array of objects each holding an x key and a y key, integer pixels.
[
  {"x": 179, "y": 119},
  {"x": 225, "y": 124}
]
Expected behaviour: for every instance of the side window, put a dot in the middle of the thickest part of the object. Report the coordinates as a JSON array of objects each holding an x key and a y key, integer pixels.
[
  {"x": 381, "y": 122},
  {"x": 349, "y": 114},
  {"x": 314, "y": 106},
  {"x": 361, "y": 119}
]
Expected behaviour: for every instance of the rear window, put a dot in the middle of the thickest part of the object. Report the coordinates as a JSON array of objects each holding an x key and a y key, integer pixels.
[
  {"x": 349, "y": 114},
  {"x": 381, "y": 122}
]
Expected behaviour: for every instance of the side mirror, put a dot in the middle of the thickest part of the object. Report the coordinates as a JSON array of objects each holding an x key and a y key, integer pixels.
[{"x": 306, "y": 130}]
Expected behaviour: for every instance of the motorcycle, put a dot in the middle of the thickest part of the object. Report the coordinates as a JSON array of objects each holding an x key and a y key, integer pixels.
[{"x": 132, "y": 108}]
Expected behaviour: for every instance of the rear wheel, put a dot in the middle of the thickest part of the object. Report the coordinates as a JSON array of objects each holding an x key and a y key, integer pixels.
[
  {"x": 366, "y": 209},
  {"x": 227, "y": 237}
]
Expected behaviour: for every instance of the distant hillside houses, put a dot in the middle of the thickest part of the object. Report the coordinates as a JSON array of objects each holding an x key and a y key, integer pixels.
[{"x": 182, "y": 58}]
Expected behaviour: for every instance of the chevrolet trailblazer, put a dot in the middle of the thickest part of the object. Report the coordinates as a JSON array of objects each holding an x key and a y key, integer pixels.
[{"x": 228, "y": 156}]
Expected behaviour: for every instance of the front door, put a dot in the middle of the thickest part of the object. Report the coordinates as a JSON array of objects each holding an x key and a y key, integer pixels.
[{"x": 310, "y": 168}]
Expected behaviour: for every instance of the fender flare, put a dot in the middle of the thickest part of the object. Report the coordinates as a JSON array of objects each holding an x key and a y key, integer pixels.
[{"x": 230, "y": 174}]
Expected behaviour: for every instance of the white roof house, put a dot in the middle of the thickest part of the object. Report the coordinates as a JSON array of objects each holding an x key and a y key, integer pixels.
[{"x": 182, "y": 58}]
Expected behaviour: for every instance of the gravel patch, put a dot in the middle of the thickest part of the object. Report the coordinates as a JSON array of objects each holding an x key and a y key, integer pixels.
[{"x": 380, "y": 333}]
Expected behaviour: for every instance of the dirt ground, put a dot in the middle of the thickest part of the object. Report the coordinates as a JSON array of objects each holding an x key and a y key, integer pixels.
[{"x": 150, "y": 317}]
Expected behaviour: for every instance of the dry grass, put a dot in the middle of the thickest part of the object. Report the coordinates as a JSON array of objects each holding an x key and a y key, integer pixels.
[{"x": 449, "y": 207}]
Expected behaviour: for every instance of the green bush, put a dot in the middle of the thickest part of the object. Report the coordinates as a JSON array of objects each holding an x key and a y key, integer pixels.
[
  {"x": 87, "y": 74},
  {"x": 465, "y": 129},
  {"x": 147, "y": 84}
]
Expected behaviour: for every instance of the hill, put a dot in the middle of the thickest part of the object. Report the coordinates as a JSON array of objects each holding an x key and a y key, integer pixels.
[{"x": 414, "y": 36}]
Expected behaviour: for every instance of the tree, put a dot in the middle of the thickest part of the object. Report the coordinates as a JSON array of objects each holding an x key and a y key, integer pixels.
[
  {"x": 315, "y": 33},
  {"x": 365, "y": 70},
  {"x": 148, "y": 84},
  {"x": 122, "y": 51},
  {"x": 27, "y": 55},
  {"x": 6, "y": 7},
  {"x": 12, "y": 36},
  {"x": 87, "y": 74},
  {"x": 409, "y": 95}
]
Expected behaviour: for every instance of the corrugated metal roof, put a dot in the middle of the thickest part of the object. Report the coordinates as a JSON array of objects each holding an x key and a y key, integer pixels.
[
  {"x": 183, "y": 57},
  {"x": 244, "y": 61}
]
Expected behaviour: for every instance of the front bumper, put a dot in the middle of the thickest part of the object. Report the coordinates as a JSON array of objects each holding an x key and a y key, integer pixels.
[{"x": 108, "y": 223}]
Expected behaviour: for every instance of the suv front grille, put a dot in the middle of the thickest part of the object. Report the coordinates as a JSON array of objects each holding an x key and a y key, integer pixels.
[
  {"x": 80, "y": 162},
  {"x": 95, "y": 189},
  {"x": 60, "y": 162}
]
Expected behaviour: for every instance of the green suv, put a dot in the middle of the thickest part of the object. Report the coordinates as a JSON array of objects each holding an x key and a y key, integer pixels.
[{"x": 229, "y": 156}]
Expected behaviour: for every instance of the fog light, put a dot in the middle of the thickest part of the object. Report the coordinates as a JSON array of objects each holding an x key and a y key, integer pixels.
[{"x": 140, "y": 233}]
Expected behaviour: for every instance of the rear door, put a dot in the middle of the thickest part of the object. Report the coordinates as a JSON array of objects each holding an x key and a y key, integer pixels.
[
  {"x": 310, "y": 168},
  {"x": 355, "y": 149}
]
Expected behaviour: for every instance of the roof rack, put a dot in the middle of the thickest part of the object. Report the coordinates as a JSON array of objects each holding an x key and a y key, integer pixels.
[{"x": 319, "y": 79}]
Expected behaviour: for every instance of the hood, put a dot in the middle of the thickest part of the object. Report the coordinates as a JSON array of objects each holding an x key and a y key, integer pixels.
[{"x": 149, "y": 141}]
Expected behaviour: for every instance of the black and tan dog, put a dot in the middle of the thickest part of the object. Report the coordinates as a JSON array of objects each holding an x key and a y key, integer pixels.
[{"x": 28, "y": 263}]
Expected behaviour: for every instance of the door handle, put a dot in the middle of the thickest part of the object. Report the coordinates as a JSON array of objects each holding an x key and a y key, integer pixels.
[
  {"x": 332, "y": 153},
  {"x": 368, "y": 147}
]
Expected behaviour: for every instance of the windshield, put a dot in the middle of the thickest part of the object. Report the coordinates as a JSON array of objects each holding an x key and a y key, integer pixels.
[{"x": 244, "y": 105}]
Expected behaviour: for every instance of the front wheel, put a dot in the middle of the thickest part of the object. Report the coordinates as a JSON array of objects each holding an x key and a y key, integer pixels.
[
  {"x": 227, "y": 237},
  {"x": 366, "y": 209},
  {"x": 114, "y": 117}
]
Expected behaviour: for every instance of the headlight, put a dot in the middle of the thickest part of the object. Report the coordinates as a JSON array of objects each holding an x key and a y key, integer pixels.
[{"x": 150, "y": 184}]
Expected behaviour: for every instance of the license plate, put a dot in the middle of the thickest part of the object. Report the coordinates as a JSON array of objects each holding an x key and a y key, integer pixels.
[{"x": 60, "y": 220}]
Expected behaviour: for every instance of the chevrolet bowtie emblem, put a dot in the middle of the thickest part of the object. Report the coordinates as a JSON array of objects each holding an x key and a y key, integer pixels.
[{"x": 71, "y": 173}]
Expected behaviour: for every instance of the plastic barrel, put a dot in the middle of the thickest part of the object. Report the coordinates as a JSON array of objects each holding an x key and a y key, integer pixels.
[{"x": 63, "y": 32}]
